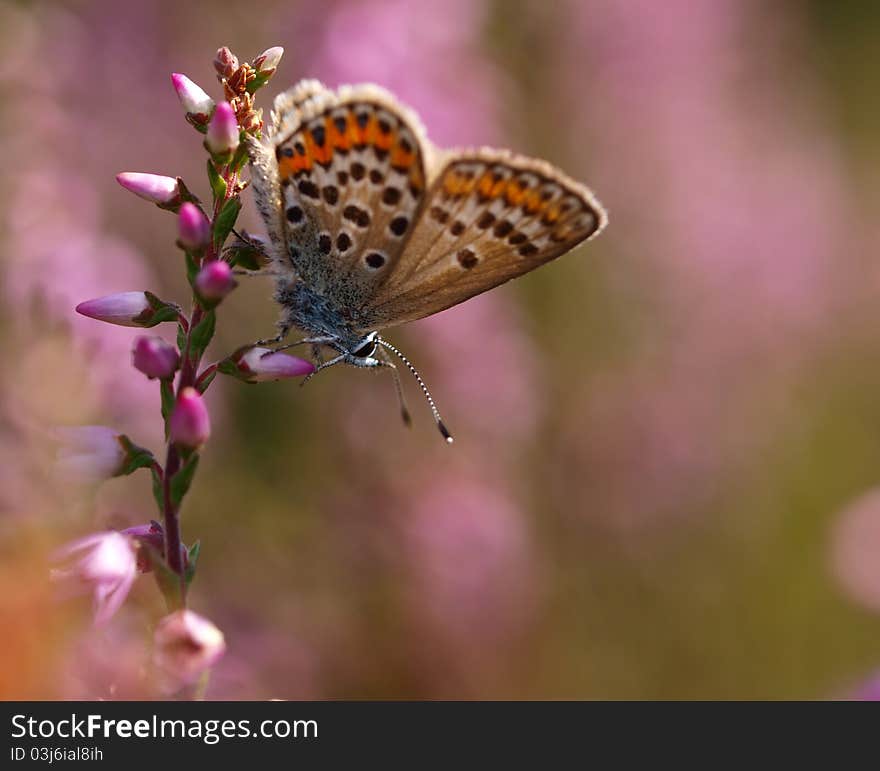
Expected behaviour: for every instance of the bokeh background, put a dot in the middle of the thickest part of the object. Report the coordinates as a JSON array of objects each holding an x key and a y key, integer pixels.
[{"x": 666, "y": 480}]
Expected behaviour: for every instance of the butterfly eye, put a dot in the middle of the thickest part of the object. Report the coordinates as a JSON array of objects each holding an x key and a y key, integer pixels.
[{"x": 367, "y": 349}]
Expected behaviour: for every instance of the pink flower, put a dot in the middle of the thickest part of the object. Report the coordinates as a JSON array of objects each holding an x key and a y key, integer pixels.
[
  {"x": 149, "y": 538},
  {"x": 90, "y": 453},
  {"x": 187, "y": 644},
  {"x": 196, "y": 103},
  {"x": 256, "y": 365},
  {"x": 127, "y": 309},
  {"x": 150, "y": 187},
  {"x": 107, "y": 567},
  {"x": 855, "y": 545},
  {"x": 190, "y": 424},
  {"x": 214, "y": 281},
  {"x": 154, "y": 357},
  {"x": 869, "y": 690},
  {"x": 193, "y": 227},
  {"x": 222, "y": 135}
]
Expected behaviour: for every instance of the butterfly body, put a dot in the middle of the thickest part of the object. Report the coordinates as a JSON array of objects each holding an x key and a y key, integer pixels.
[{"x": 371, "y": 226}]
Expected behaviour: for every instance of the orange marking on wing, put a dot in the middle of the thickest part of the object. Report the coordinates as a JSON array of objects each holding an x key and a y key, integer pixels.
[
  {"x": 360, "y": 133},
  {"x": 514, "y": 194},
  {"x": 551, "y": 215},
  {"x": 532, "y": 201},
  {"x": 498, "y": 189},
  {"x": 401, "y": 159},
  {"x": 384, "y": 141},
  {"x": 484, "y": 186},
  {"x": 285, "y": 167},
  {"x": 337, "y": 139},
  {"x": 371, "y": 132},
  {"x": 319, "y": 154},
  {"x": 417, "y": 179},
  {"x": 352, "y": 131}
]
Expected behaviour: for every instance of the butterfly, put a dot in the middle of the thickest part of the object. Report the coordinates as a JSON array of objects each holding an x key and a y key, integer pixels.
[{"x": 370, "y": 225}]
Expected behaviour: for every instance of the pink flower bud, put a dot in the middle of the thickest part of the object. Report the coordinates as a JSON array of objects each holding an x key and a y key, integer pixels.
[
  {"x": 193, "y": 227},
  {"x": 222, "y": 134},
  {"x": 196, "y": 103},
  {"x": 225, "y": 62},
  {"x": 107, "y": 568},
  {"x": 190, "y": 424},
  {"x": 150, "y": 540},
  {"x": 214, "y": 281},
  {"x": 187, "y": 644},
  {"x": 124, "y": 308},
  {"x": 90, "y": 453},
  {"x": 257, "y": 365},
  {"x": 267, "y": 62},
  {"x": 154, "y": 357},
  {"x": 150, "y": 187}
]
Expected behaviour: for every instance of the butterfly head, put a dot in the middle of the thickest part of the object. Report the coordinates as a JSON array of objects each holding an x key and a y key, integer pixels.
[{"x": 362, "y": 353}]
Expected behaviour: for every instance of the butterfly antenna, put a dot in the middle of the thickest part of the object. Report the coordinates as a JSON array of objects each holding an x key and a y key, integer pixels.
[{"x": 440, "y": 424}]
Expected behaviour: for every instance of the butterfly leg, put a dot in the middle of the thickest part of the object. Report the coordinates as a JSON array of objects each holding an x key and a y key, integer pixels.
[
  {"x": 246, "y": 272},
  {"x": 401, "y": 399},
  {"x": 272, "y": 340},
  {"x": 313, "y": 341},
  {"x": 324, "y": 365}
]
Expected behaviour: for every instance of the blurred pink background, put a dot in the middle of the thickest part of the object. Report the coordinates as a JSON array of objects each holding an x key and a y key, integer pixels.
[{"x": 665, "y": 480}]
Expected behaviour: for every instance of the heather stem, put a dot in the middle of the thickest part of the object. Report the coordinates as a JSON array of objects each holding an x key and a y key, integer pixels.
[{"x": 188, "y": 377}]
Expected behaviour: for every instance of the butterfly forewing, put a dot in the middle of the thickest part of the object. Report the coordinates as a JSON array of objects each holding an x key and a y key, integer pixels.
[
  {"x": 489, "y": 216},
  {"x": 351, "y": 172}
]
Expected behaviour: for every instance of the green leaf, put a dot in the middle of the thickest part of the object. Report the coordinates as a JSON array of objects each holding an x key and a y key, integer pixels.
[
  {"x": 185, "y": 194},
  {"x": 159, "y": 311},
  {"x": 203, "y": 384},
  {"x": 192, "y": 559},
  {"x": 218, "y": 184},
  {"x": 181, "y": 338},
  {"x": 241, "y": 155},
  {"x": 182, "y": 480},
  {"x": 135, "y": 457},
  {"x": 258, "y": 82},
  {"x": 227, "y": 367},
  {"x": 226, "y": 221},
  {"x": 158, "y": 492},
  {"x": 169, "y": 584},
  {"x": 201, "y": 336},
  {"x": 166, "y": 391},
  {"x": 192, "y": 266}
]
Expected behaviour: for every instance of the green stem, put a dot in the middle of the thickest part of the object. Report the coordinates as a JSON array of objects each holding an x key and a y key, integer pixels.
[{"x": 188, "y": 378}]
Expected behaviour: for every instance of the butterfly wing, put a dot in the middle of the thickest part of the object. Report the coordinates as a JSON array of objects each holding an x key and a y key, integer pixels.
[
  {"x": 340, "y": 181},
  {"x": 489, "y": 216}
]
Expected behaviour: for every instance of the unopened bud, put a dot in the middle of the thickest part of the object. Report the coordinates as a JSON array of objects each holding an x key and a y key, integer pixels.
[
  {"x": 214, "y": 281},
  {"x": 197, "y": 105},
  {"x": 222, "y": 135},
  {"x": 190, "y": 424},
  {"x": 193, "y": 227},
  {"x": 154, "y": 357},
  {"x": 267, "y": 62},
  {"x": 225, "y": 62},
  {"x": 257, "y": 365},
  {"x": 155, "y": 188}
]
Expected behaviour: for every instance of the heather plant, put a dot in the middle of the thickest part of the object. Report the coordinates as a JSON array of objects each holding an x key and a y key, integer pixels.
[{"x": 106, "y": 564}]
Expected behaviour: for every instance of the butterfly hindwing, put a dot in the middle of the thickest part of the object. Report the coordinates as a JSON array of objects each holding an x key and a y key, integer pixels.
[
  {"x": 489, "y": 216},
  {"x": 351, "y": 175}
]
